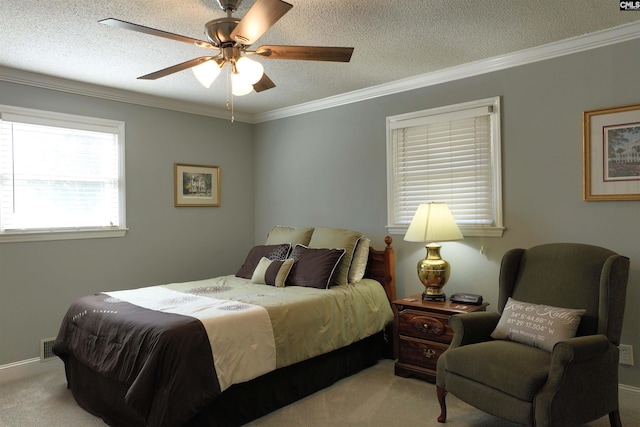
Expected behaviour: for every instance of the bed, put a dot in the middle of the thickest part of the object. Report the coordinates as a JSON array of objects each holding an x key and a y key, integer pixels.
[{"x": 227, "y": 350}]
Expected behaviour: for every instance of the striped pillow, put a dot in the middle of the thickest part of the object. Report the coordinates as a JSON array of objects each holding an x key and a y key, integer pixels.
[{"x": 272, "y": 272}]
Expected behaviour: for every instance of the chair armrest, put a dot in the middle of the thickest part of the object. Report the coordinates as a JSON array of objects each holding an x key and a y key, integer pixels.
[
  {"x": 471, "y": 328},
  {"x": 578, "y": 367},
  {"x": 579, "y": 349}
]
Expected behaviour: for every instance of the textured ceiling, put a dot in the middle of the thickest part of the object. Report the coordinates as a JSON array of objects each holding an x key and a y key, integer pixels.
[{"x": 393, "y": 40}]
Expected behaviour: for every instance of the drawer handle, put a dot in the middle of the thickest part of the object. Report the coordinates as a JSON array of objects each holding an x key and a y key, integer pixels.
[
  {"x": 429, "y": 325},
  {"x": 428, "y": 353}
]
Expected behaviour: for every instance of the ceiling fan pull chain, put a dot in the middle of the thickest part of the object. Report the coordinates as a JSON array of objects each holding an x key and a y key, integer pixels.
[
  {"x": 233, "y": 118},
  {"x": 229, "y": 103}
]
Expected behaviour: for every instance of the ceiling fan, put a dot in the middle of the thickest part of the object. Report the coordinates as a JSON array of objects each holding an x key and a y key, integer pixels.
[{"x": 231, "y": 38}]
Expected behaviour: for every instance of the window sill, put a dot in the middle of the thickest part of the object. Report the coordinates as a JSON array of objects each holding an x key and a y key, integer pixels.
[
  {"x": 467, "y": 231},
  {"x": 39, "y": 236}
]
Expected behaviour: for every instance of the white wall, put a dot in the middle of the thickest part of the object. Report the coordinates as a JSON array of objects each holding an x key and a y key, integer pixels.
[{"x": 328, "y": 168}]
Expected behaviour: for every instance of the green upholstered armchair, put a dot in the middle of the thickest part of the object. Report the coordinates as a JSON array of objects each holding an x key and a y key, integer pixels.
[{"x": 577, "y": 381}]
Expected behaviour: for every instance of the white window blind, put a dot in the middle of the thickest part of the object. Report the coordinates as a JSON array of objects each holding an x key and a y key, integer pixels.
[
  {"x": 59, "y": 175},
  {"x": 446, "y": 155}
]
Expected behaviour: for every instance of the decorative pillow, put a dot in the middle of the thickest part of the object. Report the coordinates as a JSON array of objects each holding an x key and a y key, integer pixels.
[
  {"x": 537, "y": 325},
  {"x": 325, "y": 237},
  {"x": 293, "y": 235},
  {"x": 257, "y": 252},
  {"x": 360, "y": 259},
  {"x": 272, "y": 272},
  {"x": 314, "y": 267}
]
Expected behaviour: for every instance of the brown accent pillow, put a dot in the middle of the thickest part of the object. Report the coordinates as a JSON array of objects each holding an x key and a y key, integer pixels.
[
  {"x": 339, "y": 238},
  {"x": 256, "y": 253},
  {"x": 314, "y": 267}
]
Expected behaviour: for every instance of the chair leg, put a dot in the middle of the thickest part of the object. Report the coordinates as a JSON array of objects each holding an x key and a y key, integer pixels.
[
  {"x": 442, "y": 393},
  {"x": 614, "y": 418}
]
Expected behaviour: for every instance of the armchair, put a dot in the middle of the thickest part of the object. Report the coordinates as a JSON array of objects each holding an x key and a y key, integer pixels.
[{"x": 572, "y": 383}]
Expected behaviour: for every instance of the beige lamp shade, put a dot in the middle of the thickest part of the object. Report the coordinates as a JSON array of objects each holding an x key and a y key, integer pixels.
[{"x": 433, "y": 222}]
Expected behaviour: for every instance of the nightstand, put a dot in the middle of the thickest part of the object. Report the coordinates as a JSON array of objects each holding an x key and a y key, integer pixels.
[{"x": 421, "y": 333}]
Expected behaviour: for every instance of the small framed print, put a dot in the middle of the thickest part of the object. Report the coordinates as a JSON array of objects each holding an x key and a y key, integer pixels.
[
  {"x": 611, "y": 146},
  {"x": 196, "y": 185}
]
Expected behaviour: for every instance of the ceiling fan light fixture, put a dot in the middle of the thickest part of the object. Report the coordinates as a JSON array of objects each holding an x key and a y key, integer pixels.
[
  {"x": 206, "y": 72},
  {"x": 239, "y": 85},
  {"x": 230, "y": 37},
  {"x": 250, "y": 70}
]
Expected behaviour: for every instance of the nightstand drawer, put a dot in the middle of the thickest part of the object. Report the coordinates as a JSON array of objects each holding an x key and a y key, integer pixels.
[
  {"x": 421, "y": 333},
  {"x": 419, "y": 352},
  {"x": 420, "y": 324}
]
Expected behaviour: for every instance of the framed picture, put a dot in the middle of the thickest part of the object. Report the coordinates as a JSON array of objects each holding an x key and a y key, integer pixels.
[
  {"x": 611, "y": 145},
  {"x": 196, "y": 185}
]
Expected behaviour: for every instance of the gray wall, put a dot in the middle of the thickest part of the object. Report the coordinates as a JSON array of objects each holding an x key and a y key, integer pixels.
[
  {"x": 165, "y": 244},
  {"x": 328, "y": 168}
]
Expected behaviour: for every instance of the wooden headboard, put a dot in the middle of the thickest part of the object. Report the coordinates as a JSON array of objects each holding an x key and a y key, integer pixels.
[{"x": 382, "y": 267}]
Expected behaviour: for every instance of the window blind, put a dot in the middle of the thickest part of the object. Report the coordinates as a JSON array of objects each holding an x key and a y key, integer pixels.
[
  {"x": 447, "y": 154},
  {"x": 58, "y": 177},
  {"x": 444, "y": 158}
]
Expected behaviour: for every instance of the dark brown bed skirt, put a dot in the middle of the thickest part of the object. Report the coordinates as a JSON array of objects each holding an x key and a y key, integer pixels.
[{"x": 240, "y": 403}]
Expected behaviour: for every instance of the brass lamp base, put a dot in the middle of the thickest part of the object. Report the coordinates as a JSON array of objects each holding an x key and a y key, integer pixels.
[
  {"x": 429, "y": 297},
  {"x": 433, "y": 272}
]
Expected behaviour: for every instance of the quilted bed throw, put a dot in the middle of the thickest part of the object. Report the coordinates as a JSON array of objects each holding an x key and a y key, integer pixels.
[{"x": 175, "y": 352}]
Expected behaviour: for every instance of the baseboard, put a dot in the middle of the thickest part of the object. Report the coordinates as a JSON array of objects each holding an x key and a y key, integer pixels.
[
  {"x": 27, "y": 368},
  {"x": 629, "y": 396}
]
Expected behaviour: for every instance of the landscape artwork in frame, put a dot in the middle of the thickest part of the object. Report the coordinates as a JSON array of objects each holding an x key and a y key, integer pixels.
[
  {"x": 611, "y": 145},
  {"x": 196, "y": 185}
]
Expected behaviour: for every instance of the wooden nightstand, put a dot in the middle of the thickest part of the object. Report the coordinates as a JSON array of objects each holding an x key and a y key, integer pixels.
[{"x": 421, "y": 333}]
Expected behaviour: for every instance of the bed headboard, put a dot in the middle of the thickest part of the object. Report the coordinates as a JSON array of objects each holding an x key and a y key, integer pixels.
[{"x": 382, "y": 267}]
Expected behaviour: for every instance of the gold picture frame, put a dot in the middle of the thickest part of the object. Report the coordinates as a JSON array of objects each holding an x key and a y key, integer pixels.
[
  {"x": 196, "y": 185},
  {"x": 611, "y": 153}
]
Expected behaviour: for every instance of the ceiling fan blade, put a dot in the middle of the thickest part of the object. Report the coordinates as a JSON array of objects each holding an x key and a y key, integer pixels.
[
  {"x": 175, "y": 68},
  {"x": 259, "y": 18},
  {"x": 307, "y": 53},
  {"x": 147, "y": 30},
  {"x": 263, "y": 84}
]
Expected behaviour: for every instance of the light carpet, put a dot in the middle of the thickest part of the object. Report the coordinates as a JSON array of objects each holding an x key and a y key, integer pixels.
[{"x": 373, "y": 397}]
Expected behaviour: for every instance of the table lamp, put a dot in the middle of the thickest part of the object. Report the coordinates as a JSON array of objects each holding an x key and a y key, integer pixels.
[{"x": 433, "y": 223}]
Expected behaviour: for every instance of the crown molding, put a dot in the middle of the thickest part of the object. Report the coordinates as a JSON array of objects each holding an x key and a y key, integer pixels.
[
  {"x": 44, "y": 81},
  {"x": 569, "y": 46}
]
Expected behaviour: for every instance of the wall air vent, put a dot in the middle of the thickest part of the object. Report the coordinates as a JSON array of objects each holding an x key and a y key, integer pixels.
[{"x": 46, "y": 349}]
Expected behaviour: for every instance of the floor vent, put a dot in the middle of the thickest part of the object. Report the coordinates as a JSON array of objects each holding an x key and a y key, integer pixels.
[{"x": 46, "y": 349}]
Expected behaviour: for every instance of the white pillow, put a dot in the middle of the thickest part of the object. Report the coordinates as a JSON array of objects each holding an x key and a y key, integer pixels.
[
  {"x": 359, "y": 261},
  {"x": 293, "y": 235},
  {"x": 537, "y": 325}
]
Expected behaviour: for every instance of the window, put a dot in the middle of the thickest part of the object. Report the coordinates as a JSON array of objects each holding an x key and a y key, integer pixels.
[
  {"x": 61, "y": 176},
  {"x": 449, "y": 154}
]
